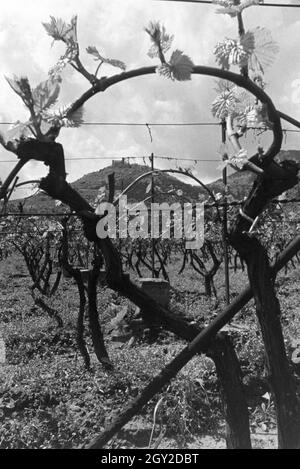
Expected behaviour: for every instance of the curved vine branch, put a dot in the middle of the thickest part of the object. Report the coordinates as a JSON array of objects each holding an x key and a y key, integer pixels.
[
  {"x": 174, "y": 171},
  {"x": 104, "y": 83},
  {"x": 289, "y": 119}
]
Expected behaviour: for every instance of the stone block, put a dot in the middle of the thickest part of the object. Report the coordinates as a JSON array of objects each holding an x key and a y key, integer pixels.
[{"x": 157, "y": 288}]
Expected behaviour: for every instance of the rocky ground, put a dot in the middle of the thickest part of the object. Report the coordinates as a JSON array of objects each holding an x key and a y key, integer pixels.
[{"x": 49, "y": 400}]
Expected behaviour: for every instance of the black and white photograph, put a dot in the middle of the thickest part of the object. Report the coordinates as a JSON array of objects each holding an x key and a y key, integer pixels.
[{"x": 149, "y": 227}]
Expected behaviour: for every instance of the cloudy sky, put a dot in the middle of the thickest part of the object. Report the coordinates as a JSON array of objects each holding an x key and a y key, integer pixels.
[{"x": 116, "y": 28}]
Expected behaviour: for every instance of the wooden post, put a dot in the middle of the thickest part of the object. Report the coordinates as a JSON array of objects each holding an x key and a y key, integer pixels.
[
  {"x": 280, "y": 376},
  {"x": 225, "y": 232},
  {"x": 233, "y": 398},
  {"x": 267, "y": 305},
  {"x": 152, "y": 202}
]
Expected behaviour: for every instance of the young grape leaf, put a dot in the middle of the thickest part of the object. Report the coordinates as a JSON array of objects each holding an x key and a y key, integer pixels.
[
  {"x": 230, "y": 8},
  {"x": 265, "y": 50},
  {"x": 231, "y": 52},
  {"x": 256, "y": 48},
  {"x": 179, "y": 68},
  {"x": 14, "y": 83},
  {"x": 61, "y": 31},
  {"x": 223, "y": 85},
  {"x": 92, "y": 50},
  {"x": 238, "y": 161},
  {"x": 165, "y": 71},
  {"x": 46, "y": 94},
  {"x": 63, "y": 117},
  {"x": 160, "y": 38},
  {"x": 22, "y": 87},
  {"x": 248, "y": 42},
  {"x": 19, "y": 130},
  {"x": 57, "y": 28},
  {"x": 224, "y": 104},
  {"x": 257, "y": 115}
]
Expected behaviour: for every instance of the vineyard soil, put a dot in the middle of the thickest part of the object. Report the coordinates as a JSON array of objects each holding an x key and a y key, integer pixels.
[{"x": 49, "y": 400}]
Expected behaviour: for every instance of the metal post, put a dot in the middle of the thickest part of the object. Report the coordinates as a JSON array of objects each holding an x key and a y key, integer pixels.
[
  {"x": 152, "y": 202},
  {"x": 225, "y": 231},
  {"x": 119, "y": 238}
]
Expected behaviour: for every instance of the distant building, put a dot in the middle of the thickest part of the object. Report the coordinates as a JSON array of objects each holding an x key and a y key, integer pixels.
[{"x": 121, "y": 162}]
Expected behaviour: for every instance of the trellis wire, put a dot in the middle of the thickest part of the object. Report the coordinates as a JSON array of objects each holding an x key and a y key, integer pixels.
[
  {"x": 233, "y": 203},
  {"x": 209, "y": 2}
]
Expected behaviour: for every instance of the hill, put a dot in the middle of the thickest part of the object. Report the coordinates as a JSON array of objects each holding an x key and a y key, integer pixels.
[
  {"x": 125, "y": 173},
  {"x": 239, "y": 184}
]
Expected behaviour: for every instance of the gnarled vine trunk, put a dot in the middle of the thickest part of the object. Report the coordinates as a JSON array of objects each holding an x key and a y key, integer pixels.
[{"x": 267, "y": 306}]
